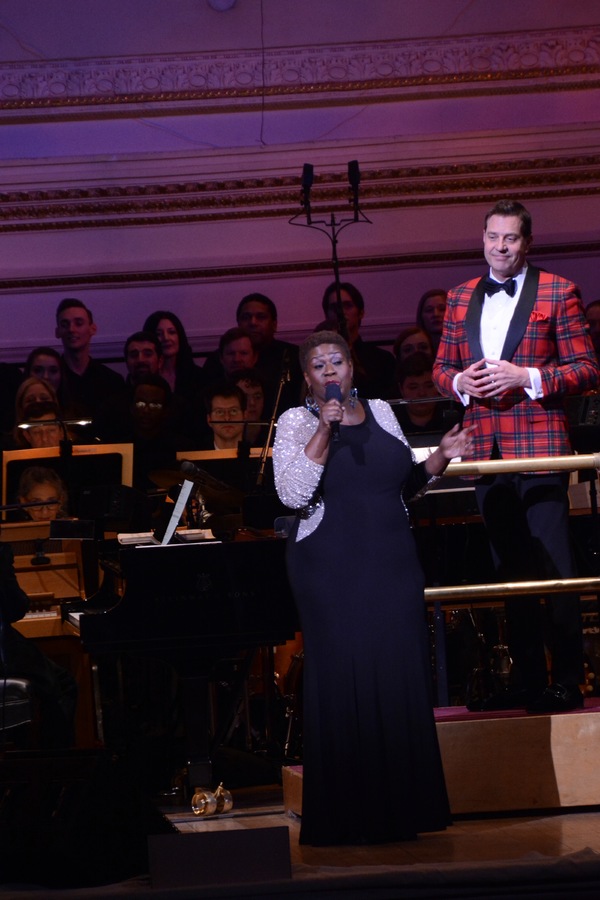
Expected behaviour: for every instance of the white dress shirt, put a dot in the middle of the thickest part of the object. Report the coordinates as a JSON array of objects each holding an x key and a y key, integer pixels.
[{"x": 496, "y": 315}]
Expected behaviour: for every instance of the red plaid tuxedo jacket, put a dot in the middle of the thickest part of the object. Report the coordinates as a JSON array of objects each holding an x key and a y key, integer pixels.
[{"x": 548, "y": 331}]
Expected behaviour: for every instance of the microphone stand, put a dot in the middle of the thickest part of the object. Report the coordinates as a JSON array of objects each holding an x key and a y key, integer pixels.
[
  {"x": 332, "y": 227},
  {"x": 283, "y": 380}
]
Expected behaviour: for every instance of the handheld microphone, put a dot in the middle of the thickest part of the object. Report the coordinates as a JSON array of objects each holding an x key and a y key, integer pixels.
[{"x": 333, "y": 392}]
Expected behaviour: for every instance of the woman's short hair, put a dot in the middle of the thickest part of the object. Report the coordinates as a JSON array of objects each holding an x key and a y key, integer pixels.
[
  {"x": 40, "y": 351},
  {"x": 34, "y": 475},
  {"x": 32, "y": 381},
  {"x": 322, "y": 337},
  {"x": 407, "y": 332}
]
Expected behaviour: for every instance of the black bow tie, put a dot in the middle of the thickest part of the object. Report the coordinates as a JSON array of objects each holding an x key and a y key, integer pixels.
[{"x": 490, "y": 287}]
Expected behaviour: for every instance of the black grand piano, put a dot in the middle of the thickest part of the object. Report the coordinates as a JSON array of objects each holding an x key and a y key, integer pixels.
[{"x": 193, "y": 605}]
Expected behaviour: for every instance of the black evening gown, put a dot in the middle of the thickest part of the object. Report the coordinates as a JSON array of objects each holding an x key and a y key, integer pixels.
[{"x": 372, "y": 768}]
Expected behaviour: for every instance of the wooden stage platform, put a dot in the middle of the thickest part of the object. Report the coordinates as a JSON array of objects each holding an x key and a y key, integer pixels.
[{"x": 508, "y": 761}]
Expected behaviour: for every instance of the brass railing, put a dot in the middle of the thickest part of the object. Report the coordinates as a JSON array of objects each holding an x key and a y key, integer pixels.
[
  {"x": 570, "y": 463},
  {"x": 437, "y": 596},
  {"x": 506, "y": 588}
]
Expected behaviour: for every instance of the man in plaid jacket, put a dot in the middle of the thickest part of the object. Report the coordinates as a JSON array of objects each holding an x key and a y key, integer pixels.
[{"x": 514, "y": 343}]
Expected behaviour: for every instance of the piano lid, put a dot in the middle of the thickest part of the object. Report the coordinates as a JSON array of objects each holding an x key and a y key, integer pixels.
[{"x": 182, "y": 597}]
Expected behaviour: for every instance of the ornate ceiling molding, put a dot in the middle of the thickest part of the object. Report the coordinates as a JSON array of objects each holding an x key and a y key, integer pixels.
[
  {"x": 156, "y": 203},
  {"x": 208, "y": 81},
  {"x": 285, "y": 269}
]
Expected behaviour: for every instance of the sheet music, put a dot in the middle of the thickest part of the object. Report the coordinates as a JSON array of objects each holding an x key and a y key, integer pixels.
[
  {"x": 186, "y": 535},
  {"x": 178, "y": 510}
]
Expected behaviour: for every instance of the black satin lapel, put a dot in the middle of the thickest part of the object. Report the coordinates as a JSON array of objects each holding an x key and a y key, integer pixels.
[
  {"x": 522, "y": 313},
  {"x": 473, "y": 321}
]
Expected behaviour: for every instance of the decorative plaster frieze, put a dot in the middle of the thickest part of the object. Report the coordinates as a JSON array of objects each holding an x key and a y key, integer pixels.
[
  {"x": 159, "y": 203},
  {"x": 306, "y": 70}
]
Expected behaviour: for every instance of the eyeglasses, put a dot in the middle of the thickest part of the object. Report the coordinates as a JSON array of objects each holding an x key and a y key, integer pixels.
[
  {"x": 143, "y": 404},
  {"x": 233, "y": 412}
]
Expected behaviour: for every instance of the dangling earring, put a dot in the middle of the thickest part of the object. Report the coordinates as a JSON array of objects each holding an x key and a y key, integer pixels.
[
  {"x": 310, "y": 402},
  {"x": 353, "y": 397}
]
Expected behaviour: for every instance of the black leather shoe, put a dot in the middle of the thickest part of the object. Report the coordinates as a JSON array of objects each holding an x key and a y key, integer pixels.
[
  {"x": 508, "y": 699},
  {"x": 557, "y": 698}
]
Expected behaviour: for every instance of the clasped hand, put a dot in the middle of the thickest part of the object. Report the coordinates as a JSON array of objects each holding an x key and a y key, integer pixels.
[{"x": 491, "y": 377}]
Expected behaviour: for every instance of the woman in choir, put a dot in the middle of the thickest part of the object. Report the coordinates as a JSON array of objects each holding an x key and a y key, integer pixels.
[
  {"x": 33, "y": 390},
  {"x": 177, "y": 366},
  {"x": 37, "y": 395},
  {"x": 186, "y": 380},
  {"x": 430, "y": 314},
  {"x": 372, "y": 768},
  {"x": 44, "y": 363},
  {"x": 412, "y": 339}
]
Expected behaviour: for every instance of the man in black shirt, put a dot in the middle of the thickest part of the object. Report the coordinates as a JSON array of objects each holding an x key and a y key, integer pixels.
[
  {"x": 373, "y": 366},
  {"x": 85, "y": 382}
]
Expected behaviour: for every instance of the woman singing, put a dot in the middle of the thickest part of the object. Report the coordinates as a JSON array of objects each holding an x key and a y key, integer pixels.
[{"x": 372, "y": 768}]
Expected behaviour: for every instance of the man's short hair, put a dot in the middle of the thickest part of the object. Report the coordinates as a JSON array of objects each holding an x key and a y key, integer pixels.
[
  {"x": 512, "y": 208},
  {"x": 235, "y": 334},
  {"x": 251, "y": 376},
  {"x": 69, "y": 303},
  {"x": 352, "y": 291},
  {"x": 257, "y": 298},
  {"x": 145, "y": 337},
  {"x": 155, "y": 381},
  {"x": 224, "y": 389}
]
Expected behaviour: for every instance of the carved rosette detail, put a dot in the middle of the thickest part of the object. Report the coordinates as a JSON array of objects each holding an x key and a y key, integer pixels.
[{"x": 350, "y": 68}]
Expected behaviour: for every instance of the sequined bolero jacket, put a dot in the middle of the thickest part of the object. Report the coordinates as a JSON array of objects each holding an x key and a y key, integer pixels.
[{"x": 297, "y": 477}]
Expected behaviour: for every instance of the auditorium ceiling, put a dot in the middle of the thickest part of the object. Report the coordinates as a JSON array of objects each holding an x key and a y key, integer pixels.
[{"x": 153, "y": 151}]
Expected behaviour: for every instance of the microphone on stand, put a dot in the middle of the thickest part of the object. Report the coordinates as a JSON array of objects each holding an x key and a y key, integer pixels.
[
  {"x": 307, "y": 180},
  {"x": 191, "y": 469},
  {"x": 354, "y": 179},
  {"x": 333, "y": 392},
  {"x": 285, "y": 365}
]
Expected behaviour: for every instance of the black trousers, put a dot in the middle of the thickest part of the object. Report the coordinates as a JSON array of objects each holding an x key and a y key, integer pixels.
[{"x": 527, "y": 522}]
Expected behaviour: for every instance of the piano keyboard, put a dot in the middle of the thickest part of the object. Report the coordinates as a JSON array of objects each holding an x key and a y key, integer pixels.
[{"x": 52, "y": 613}]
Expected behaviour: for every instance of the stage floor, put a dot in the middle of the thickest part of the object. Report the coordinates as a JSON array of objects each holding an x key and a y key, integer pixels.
[
  {"x": 534, "y": 855},
  {"x": 538, "y": 855}
]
